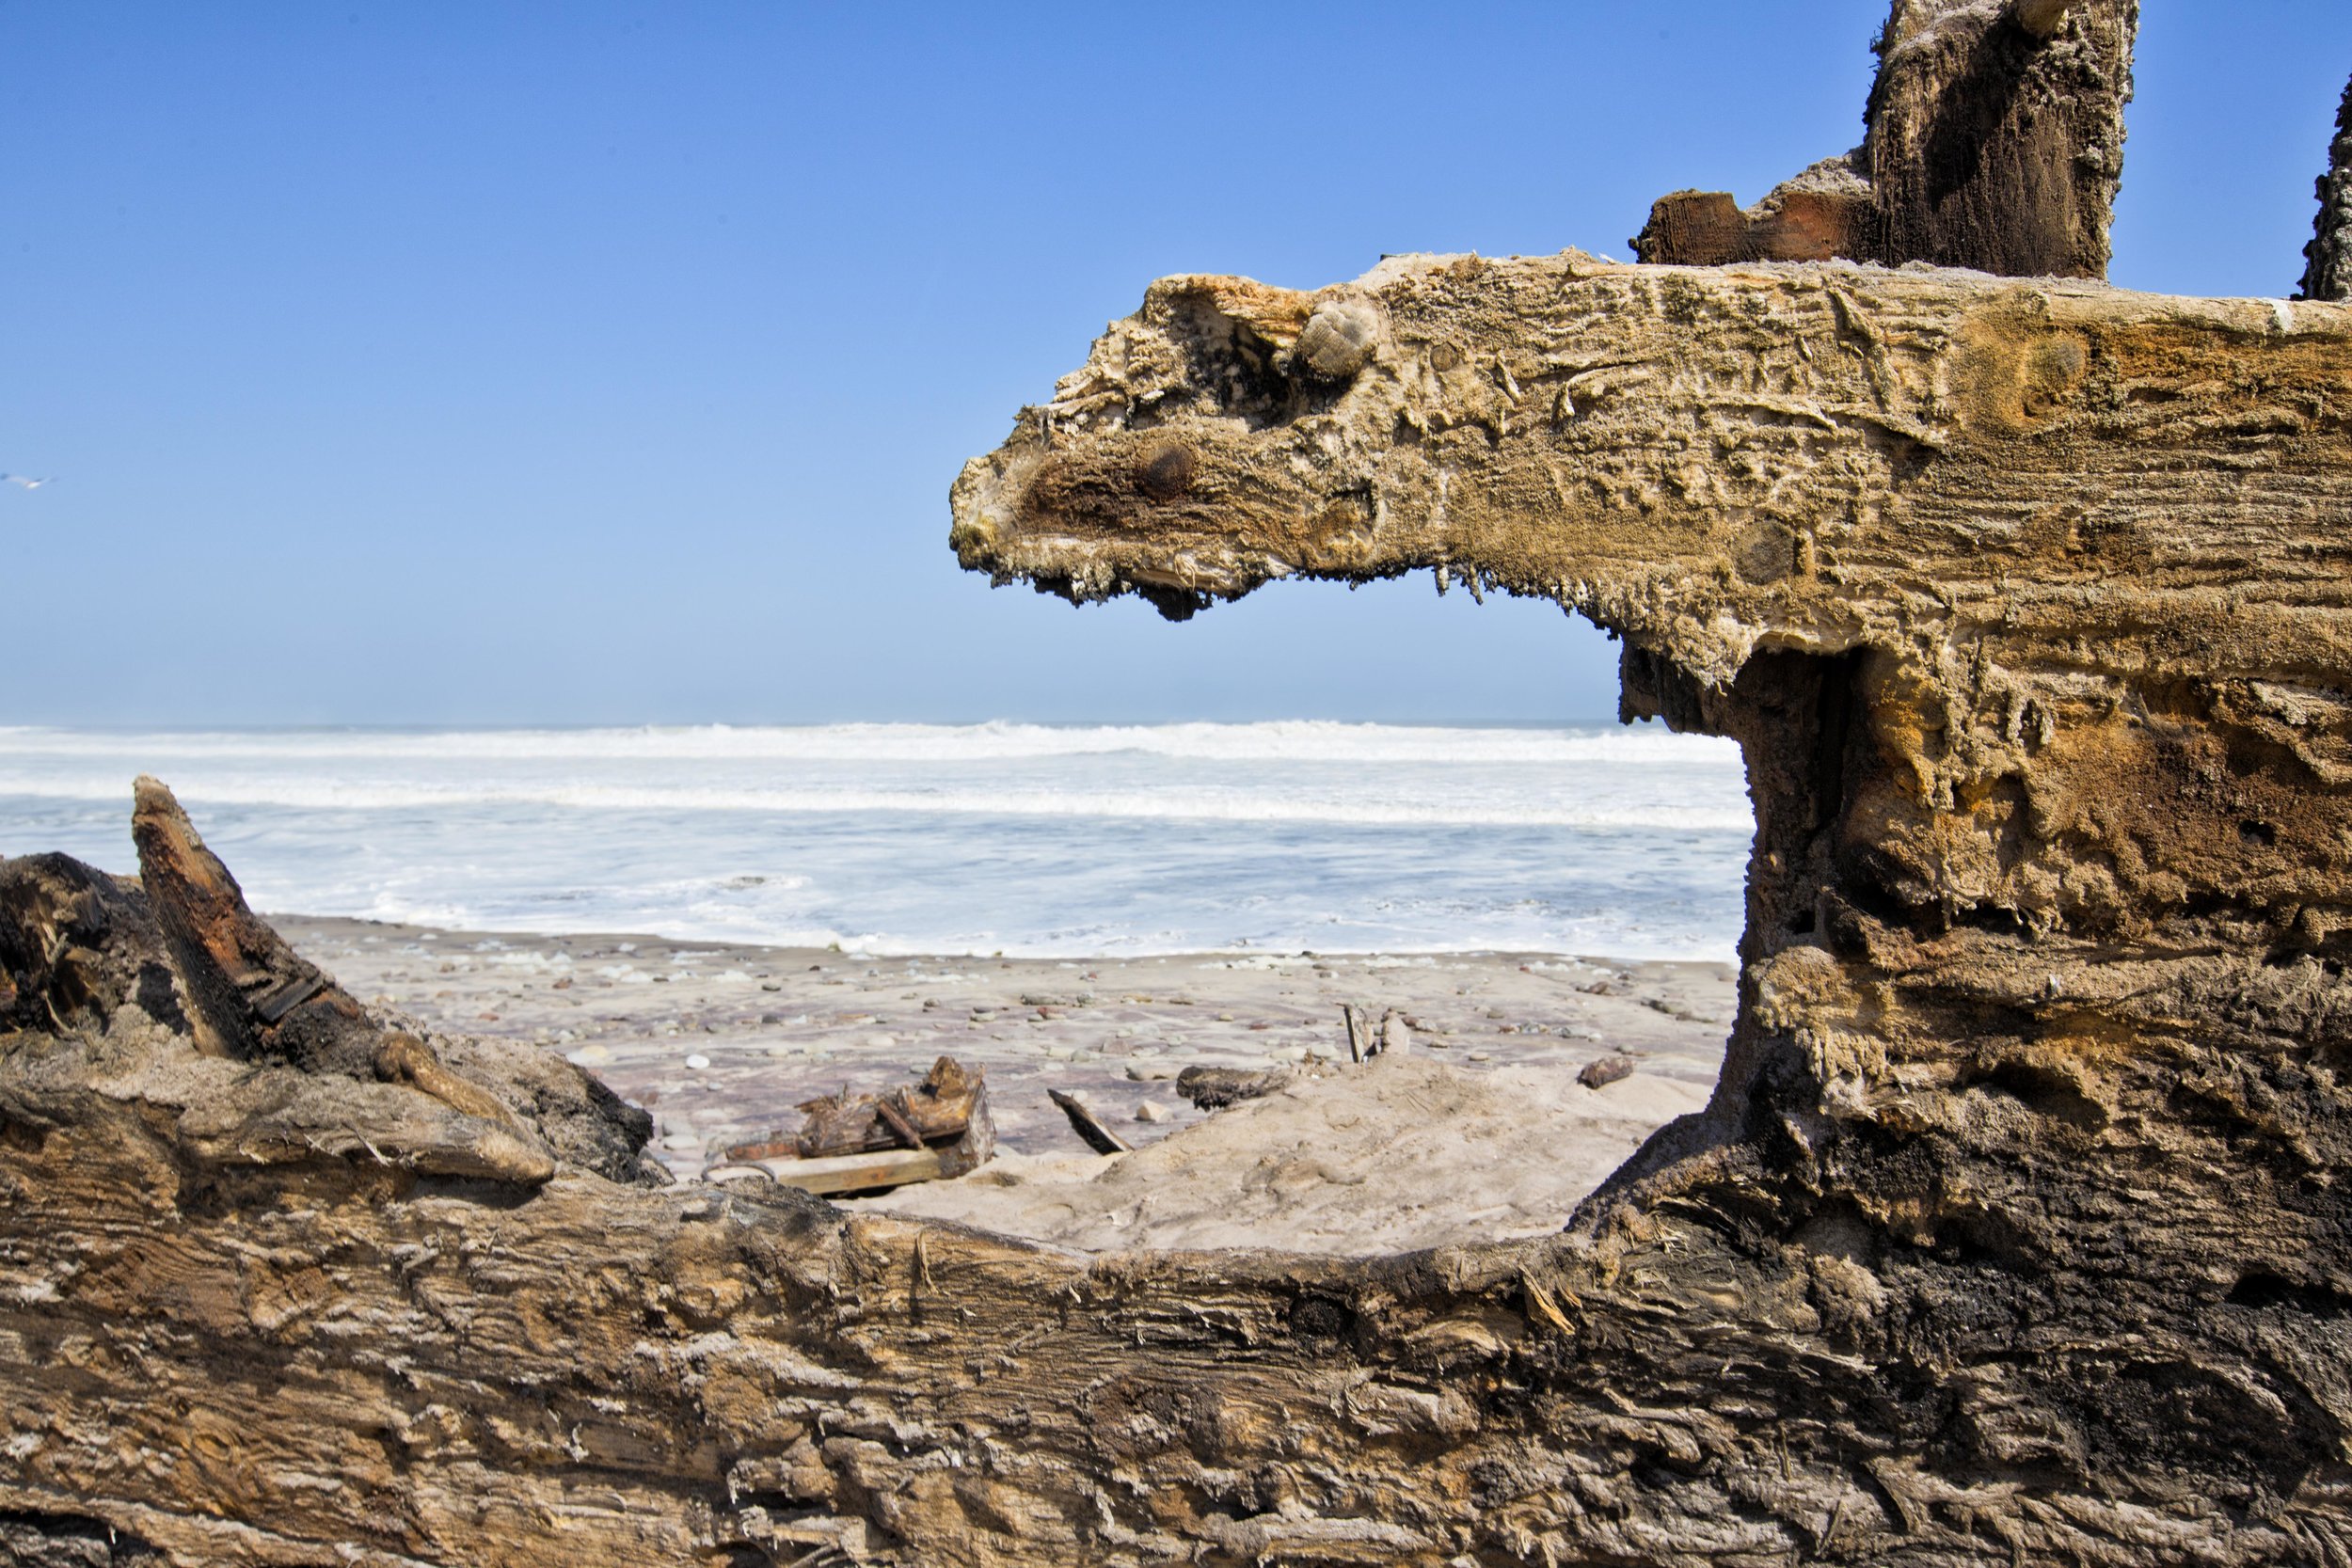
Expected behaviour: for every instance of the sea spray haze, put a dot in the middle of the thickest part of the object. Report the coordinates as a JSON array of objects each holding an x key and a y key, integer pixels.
[{"x": 1021, "y": 838}]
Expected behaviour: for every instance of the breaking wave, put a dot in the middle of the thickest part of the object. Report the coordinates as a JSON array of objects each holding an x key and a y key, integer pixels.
[
  {"x": 911, "y": 838},
  {"x": 1280, "y": 740}
]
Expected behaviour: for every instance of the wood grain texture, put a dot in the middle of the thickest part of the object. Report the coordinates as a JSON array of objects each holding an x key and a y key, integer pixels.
[
  {"x": 2027, "y": 603},
  {"x": 2015, "y": 1231}
]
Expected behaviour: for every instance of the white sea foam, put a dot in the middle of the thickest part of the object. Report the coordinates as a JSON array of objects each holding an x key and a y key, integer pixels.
[
  {"x": 1237, "y": 805},
  {"x": 906, "y": 838},
  {"x": 1280, "y": 740}
]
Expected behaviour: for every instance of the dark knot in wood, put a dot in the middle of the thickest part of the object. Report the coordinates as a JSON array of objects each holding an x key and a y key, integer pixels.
[{"x": 1168, "y": 473}]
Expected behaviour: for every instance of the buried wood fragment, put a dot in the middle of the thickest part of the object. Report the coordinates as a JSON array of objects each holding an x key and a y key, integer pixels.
[
  {"x": 936, "y": 1110},
  {"x": 1213, "y": 1088},
  {"x": 1087, "y": 1125},
  {"x": 1602, "y": 1071}
]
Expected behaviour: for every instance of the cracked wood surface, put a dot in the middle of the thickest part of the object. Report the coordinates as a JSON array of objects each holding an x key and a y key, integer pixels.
[
  {"x": 2026, "y": 601},
  {"x": 2014, "y": 1233}
]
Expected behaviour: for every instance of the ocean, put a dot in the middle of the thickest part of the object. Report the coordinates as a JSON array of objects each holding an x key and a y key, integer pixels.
[{"x": 1027, "y": 840}]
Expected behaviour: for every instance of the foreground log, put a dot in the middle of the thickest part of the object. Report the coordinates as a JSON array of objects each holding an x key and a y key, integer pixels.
[{"x": 2014, "y": 1221}]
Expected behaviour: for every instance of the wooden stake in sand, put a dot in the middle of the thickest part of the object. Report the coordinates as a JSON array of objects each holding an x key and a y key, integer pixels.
[{"x": 1355, "y": 1033}]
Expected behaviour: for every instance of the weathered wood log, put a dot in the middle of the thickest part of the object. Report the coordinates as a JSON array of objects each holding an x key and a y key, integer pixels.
[
  {"x": 2017, "y": 1230},
  {"x": 75, "y": 946},
  {"x": 253, "y": 997},
  {"x": 1088, "y": 1126},
  {"x": 2328, "y": 260},
  {"x": 2030, "y": 606},
  {"x": 1825, "y": 212},
  {"x": 1995, "y": 140}
]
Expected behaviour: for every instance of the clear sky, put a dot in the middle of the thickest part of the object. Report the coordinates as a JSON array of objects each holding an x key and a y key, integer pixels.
[{"x": 493, "y": 363}]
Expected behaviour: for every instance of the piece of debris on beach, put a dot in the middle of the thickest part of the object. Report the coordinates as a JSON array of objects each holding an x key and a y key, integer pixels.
[
  {"x": 1213, "y": 1088},
  {"x": 1088, "y": 1126},
  {"x": 1604, "y": 1070},
  {"x": 922, "y": 1131}
]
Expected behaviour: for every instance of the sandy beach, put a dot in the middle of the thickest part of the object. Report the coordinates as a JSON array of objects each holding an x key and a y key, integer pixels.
[{"x": 1482, "y": 1126}]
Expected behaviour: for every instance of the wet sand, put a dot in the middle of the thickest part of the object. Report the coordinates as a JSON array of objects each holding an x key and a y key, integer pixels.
[{"x": 1483, "y": 1124}]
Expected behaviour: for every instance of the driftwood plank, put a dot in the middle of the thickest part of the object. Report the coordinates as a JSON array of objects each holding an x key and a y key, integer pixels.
[
  {"x": 1087, "y": 1125},
  {"x": 852, "y": 1173}
]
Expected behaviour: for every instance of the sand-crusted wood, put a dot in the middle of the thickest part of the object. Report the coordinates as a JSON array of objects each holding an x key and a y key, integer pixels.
[
  {"x": 2027, "y": 603},
  {"x": 2016, "y": 1229}
]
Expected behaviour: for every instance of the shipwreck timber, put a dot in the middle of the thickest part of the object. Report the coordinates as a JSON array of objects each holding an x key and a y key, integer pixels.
[{"x": 2016, "y": 1231}]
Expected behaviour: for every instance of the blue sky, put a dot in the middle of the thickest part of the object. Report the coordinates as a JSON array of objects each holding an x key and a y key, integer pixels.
[{"x": 482, "y": 363}]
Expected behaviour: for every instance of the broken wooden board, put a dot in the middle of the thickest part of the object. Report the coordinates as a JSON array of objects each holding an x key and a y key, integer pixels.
[{"x": 1088, "y": 1126}]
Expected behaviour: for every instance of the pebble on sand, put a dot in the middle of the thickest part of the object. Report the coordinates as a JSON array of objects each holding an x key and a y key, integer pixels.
[{"x": 698, "y": 1061}]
